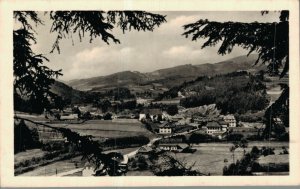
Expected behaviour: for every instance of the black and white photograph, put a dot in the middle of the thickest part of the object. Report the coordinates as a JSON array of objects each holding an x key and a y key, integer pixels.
[{"x": 164, "y": 93}]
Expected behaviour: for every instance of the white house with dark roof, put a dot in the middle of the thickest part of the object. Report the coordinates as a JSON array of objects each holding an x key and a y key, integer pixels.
[
  {"x": 173, "y": 147},
  {"x": 213, "y": 128},
  {"x": 230, "y": 119},
  {"x": 166, "y": 128}
]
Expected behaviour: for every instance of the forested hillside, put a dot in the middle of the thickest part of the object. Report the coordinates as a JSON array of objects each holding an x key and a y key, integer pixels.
[{"x": 236, "y": 92}]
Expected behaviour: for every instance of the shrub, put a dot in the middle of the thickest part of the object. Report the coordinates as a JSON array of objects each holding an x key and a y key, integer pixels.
[{"x": 234, "y": 137}]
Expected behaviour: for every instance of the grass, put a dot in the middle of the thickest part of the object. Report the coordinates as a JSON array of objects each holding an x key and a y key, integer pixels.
[
  {"x": 52, "y": 168},
  {"x": 209, "y": 157},
  {"x": 28, "y": 154},
  {"x": 109, "y": 129}
]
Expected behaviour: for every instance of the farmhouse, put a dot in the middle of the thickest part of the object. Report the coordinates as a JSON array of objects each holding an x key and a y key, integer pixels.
[
  {"x": 224, "y": 125},
  {"x": 166, "y": 128},
  {"x": 230, "y": 119},
  {"x": 214, "y": 127},
  {"x": 173, "y": 147}
]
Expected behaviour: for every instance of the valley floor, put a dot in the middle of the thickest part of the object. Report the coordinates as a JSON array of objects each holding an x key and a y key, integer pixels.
[{"x": 209, "y": 159}]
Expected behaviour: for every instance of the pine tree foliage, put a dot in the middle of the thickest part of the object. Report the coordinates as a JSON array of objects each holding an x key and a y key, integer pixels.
[
  {"x": 269, "y": 40},
  {"x": 32, "y": 79},
  {"x": 100, "y": 23}
]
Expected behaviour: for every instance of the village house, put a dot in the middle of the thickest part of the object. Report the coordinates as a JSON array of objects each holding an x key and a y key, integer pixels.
[
  {"x": 213, "y": 128},
  {"x": 230, "y": 119},
  {"x": 166, "y": 128},
  {"x": 224, "y": 125},
  {"x": 173, "y": 147}
]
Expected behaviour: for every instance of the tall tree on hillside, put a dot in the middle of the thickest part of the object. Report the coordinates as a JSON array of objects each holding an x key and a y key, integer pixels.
[
  {"x": 32, "y": 79},
  {"x": 269, "y": 40}
]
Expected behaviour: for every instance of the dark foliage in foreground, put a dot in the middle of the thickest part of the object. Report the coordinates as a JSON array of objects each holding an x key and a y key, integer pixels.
[
  {"x": 91, "y": 150},
  {"x": 25, "y": 138},
  {"x": 167, "y": 165}
]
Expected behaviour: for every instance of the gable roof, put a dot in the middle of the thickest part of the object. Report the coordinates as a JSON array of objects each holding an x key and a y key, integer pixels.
[
  {"x": 213, "y": 124},
  {"x": 167, "y": 124},
  {"x": 222, "y": 122},
  {"x": 228, "y": 117}
]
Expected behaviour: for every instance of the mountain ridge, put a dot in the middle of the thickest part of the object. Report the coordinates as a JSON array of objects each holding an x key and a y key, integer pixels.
[{"x": 167, "y": 77}]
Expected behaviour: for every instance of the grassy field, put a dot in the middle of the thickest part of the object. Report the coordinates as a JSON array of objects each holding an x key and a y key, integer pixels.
[
  {"x": 28, "y": 154},
  {"x": 56, "y": 167},
  {"x": 209, "y": 157},
  {"x": 108, "y": 128},
  {"x": 97, "y": 128}
]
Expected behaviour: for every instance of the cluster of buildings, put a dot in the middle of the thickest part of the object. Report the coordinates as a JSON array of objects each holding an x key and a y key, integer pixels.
[{"x": 167, "y": 125}]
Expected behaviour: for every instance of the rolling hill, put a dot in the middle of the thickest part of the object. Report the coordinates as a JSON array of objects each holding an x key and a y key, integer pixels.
[{"x": 168, "y": 77}]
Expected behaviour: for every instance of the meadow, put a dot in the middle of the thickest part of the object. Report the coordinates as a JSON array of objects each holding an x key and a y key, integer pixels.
[
  {"x": 108, "y": 129},
  {"x": 209, "y": 157}
]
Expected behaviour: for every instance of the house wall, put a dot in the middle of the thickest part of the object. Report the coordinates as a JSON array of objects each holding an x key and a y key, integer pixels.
[
  {"x": 231, "y": 122},
  {"x": 212, "y": 130},
  {"x": 142, "y": 116},
  {"x": 165, "y": 130},
  {"x": 168, "y": 148}
]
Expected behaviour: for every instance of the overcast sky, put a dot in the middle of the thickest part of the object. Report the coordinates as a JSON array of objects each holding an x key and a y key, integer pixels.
[{"x": 139, "y": 51}]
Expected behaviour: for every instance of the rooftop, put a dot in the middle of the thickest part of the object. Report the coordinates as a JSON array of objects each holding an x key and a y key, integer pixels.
[
  {"x": 213, "y": 124},
  {"x": 167, "y": 124},
  {"x": 229, "y": 117}
]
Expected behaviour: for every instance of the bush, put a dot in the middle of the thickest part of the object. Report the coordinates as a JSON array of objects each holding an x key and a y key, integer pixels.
[
  {"x": 284, "y": 137},
  {"x": 172, "y": 110},
  {"x": 234, "y": 137},
  {"x": 267, "y": 151},
  {"x": 107, "y": 116}
]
